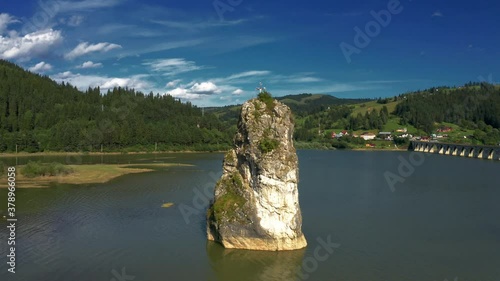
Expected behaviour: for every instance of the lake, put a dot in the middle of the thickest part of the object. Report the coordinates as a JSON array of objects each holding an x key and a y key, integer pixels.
[{"x": 436, "y": 220}]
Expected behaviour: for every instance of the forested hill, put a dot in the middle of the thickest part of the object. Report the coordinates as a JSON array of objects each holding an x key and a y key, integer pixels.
[
  {"x": 475, "y": 104},
  {"x": 304, "y": 104},
  {"x": 38, "y": 114}
]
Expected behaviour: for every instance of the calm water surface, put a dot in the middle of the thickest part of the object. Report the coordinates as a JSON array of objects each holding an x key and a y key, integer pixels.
[{"x": 442, "y": 222}]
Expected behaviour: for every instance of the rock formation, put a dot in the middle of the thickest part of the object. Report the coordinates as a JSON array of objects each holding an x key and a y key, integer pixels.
[{"x": 256, "y": 202}]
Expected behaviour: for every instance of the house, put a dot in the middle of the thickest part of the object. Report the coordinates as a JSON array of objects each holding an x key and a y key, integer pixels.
[
  {"x": 444, "y": 130},
  {"x": 368, "y": 136},
  {"x": 339, "y": 135},
  {"x": 404, "y": 130},
  {"x": 385, "y": 135}
]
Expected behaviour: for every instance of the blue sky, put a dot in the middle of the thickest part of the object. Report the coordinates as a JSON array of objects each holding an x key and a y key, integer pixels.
[{"x": 216, "y": 52}]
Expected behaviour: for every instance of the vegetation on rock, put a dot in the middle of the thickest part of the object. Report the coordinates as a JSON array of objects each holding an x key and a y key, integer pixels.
[
  {"x": 267, "y": 145},
  {"x": 266, "y": 98},
  {"x": 226, "y": 206}
]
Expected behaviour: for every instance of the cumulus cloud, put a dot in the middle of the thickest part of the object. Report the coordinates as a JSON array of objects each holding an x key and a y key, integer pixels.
[
  {"x": 196, "y": 91},
  {"x": 29, "y": 45},
  {"x": 90, "y": 64},
  {"x": 171, "y": 67},
  {"x": 173, "y": 83},
  {"x": 85, "y": 48},
  {"x": 82, "y": 82},
  {"x": 41, "y": 67},
  {"x": 238, "y": 92},
  {"x": 205, "y": 88},
  {"x": 5, "y": 20}
]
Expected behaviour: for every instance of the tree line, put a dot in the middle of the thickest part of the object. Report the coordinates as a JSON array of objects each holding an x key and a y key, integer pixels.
[{"x": 38, "y": 114}]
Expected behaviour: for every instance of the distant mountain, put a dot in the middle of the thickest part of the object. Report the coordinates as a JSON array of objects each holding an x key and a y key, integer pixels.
[
  {"x": 310, "y": 103},
  {"x": 301, "y": 105}
]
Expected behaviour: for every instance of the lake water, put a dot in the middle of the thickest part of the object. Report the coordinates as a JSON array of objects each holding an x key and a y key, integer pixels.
[{"x": 441, "y": 223}]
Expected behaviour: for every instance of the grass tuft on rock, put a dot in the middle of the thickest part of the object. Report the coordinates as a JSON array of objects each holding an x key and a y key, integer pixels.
[
  {"x": 227, "y": 205},
  {"x": 266, "y": 98}
]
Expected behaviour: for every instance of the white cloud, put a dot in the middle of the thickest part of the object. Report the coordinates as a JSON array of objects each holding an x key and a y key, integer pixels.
[
  {"x": 90, "y": 64},
  {"x": 5, "y": 20},
  {"x": 30, "y": 45},
  {"x": 85, "y": 5},
  {"x": 171, "y": 67},
  {"x": 304, "y": 79},
  {"x": 238, "y": 77},
  {"x": 196, "y": 91},
  {"x": 75, "y": 20},
  {"x": 193, "y": 26},
  {"x": 173, "y": 83},
  {"x": 85, "y": 48},
  {"x": 161, "y": 47},
  {"x": 249, "y": 74},
  {"x": 238, "y": 92},
  {"x": 205, "y": 88},
  {"x": 437, "y": 14},
  {"x": 82, "y": 82},
  {"x": 41, "y": 67}
]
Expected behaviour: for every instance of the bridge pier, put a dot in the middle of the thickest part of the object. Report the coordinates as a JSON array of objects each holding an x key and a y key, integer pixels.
[{"x": 464, "y": 150}]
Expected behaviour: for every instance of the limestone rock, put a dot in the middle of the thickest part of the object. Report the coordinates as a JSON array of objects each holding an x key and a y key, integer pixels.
[{"x": 256, "y": 202}]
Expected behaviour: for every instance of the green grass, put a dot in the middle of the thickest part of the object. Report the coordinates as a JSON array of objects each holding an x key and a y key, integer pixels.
[
  {"x": 371, "y": 105},
  {"x": 393, "y": 124},
  {"x": 37, "y": 169},
  {"x": 227, "y": 205}
]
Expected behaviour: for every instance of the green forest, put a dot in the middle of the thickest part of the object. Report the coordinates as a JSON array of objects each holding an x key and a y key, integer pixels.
[{"x": 38, "y": 115}]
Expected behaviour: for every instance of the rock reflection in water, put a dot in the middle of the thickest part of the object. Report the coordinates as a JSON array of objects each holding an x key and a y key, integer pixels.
[{"x": 234, "y": 264}]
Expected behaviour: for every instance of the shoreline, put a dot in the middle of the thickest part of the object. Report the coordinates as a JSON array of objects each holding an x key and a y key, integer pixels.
[
  {"x": 27, "y": 154},
  {"x": 56, "y": 153},
  {"x": 86, "y": 174},
  {"x": 378, "y": 149}
]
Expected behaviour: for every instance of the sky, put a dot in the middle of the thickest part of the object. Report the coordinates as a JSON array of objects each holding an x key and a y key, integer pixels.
[{"x": 216, "y": 52}]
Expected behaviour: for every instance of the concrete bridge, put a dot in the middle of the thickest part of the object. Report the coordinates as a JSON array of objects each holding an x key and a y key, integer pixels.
[{"x": 464, "y": 150}]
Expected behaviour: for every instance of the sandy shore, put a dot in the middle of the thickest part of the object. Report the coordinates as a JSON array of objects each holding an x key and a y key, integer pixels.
[{"x": 85, "y": 174}]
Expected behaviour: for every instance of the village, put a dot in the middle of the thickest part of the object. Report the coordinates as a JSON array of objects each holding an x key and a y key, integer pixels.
[{"x": 401, "y": 133}]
